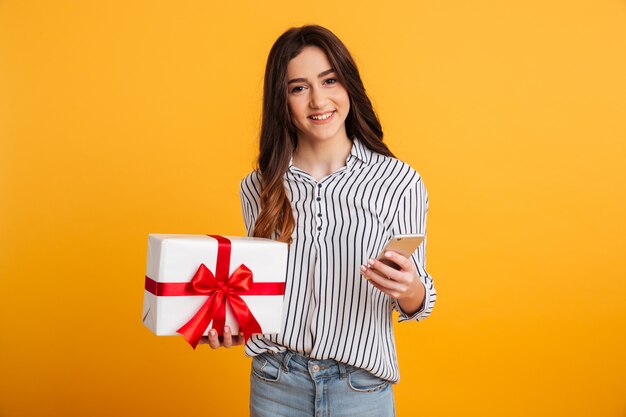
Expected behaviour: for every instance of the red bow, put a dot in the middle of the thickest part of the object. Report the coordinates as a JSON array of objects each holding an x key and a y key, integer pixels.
[{"x": 220, "y": 288}]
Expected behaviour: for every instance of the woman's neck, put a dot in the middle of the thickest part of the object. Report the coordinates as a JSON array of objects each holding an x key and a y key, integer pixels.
[{"x": 320, "y": 159}]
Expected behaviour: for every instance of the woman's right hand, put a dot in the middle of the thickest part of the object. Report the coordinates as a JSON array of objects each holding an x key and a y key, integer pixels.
[{"x": 227, "y": 341}]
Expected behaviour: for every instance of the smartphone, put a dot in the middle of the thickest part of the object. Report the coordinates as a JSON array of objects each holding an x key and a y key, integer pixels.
[{"x": 403, "y": 244}]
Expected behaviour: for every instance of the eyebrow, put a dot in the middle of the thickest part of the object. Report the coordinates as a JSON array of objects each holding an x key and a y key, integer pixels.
[{"x": 321, "y": 74}]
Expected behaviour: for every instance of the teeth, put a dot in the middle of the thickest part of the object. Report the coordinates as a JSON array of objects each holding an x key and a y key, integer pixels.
[{"x": 322, "y": 117}]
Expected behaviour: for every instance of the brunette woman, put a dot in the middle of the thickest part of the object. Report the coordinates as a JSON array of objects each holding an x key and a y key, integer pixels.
[{"x": 328, "y": 185}]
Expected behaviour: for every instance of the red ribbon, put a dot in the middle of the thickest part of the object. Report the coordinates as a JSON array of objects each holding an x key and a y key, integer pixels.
[{"x": 220, "y": 288}]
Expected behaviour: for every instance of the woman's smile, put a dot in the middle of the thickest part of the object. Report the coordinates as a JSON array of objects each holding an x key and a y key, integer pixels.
[{"x": 321, "y": 118}]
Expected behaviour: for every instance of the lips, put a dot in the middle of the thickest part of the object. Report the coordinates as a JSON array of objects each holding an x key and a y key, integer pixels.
[{"x": 320, "y": 117}]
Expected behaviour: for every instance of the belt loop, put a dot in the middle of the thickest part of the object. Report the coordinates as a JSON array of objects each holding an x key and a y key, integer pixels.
[
  {"x": 342, "y": 370},
  {"x": 286, "y": 359}
]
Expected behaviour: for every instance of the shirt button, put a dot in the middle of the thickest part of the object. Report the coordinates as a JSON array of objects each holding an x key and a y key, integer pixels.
[
  {"x": 319, "y": 214},
  {"x": 319, "y": 228},
  {"x": 319, "y": 198},
  {"x": 315, "y": 368},
  {"x": 319, "y": 185}
]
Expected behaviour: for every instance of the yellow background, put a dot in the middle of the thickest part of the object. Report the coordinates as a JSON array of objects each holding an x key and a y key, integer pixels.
[{"x": 118, "y": 119}]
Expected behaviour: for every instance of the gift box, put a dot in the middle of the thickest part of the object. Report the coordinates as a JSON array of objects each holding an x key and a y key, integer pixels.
[{"x": 198, "y": 282}]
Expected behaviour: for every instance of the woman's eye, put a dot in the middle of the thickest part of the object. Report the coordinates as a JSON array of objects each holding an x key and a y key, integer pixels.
[
  {"x": 297, "y": 89},
  {"x": 331, "y": 81}
]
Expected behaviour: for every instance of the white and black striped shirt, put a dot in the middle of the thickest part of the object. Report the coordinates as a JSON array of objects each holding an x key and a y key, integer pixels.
[{"x": 331, "y": 311}]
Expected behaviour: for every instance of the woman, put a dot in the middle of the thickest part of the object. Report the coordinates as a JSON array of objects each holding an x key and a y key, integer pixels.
[{"x": 327, "y": 184}]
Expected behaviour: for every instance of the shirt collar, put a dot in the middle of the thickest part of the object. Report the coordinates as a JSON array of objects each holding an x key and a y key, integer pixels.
[{"x": 359, "y": 151}]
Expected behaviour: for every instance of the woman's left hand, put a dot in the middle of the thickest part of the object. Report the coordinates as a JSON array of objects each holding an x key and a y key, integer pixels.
[{"x": 403, "y": 284}]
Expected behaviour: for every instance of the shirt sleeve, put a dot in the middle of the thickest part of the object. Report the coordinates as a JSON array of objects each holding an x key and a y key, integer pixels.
[
  {"x": 250, "y": 200},
  {"x": 411, "y": 219}
]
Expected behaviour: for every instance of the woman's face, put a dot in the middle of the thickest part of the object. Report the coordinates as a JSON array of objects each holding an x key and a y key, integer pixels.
[{"x": 318, "y": 103}]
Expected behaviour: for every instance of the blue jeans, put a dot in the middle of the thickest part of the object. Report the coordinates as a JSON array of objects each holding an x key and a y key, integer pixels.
[{"x": 290, "y": 385}]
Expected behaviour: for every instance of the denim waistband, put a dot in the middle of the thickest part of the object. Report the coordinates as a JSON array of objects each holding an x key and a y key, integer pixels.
[{"x": 291, "y": 360}]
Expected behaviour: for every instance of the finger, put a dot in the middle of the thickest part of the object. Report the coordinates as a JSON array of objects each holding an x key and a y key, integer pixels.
[
  {"x": 380, "y": 281},
  {"x": 213, "y": 339},
  {"x": 364, "y": 272},
  {"x": 228, "y": 337},
  {"x": 385, "y": 270},
  {"x": 369, "y": 273},
  {"x": 402, "y": 261}
]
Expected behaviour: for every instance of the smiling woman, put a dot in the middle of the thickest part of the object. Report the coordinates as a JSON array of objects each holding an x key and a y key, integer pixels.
[
  {"x": 316, "y": 97},
  {"x": 318, "y": 106},
  {"x": 327, "y": 184}
]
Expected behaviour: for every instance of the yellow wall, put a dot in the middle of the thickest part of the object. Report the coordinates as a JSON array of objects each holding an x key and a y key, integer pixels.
[{"x": 119, "y": 118}]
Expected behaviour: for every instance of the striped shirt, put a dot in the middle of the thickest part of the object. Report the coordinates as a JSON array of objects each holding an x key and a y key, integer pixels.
[{"x": 342, "y": 220}]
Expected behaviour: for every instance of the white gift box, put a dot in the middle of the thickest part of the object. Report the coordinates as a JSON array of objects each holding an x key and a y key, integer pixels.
[{"x": 176, "y": 258}]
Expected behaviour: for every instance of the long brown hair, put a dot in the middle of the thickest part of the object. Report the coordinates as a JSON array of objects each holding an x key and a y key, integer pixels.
[{"x": 278, "y": 134}]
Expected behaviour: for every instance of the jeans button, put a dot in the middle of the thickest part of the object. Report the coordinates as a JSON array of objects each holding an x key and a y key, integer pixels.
[{"x": 315, "y": 368}]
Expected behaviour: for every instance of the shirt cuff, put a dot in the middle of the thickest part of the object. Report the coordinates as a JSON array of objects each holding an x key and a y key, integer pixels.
[{"x": 417, "y": 315}]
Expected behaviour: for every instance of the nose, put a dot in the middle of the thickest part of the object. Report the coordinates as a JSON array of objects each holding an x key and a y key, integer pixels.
[{"x": 318, "y": 98}]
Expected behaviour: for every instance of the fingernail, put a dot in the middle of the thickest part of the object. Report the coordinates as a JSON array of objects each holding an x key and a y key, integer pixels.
[
  {"x": 388, "y": 254},
  {"x": 363, "y": 268},
  {"x": 370, "y": 262},
  {"x": 213, "y": 332},
  {"x": 226, "y": 329}
]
